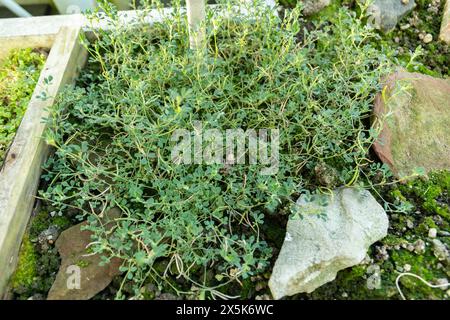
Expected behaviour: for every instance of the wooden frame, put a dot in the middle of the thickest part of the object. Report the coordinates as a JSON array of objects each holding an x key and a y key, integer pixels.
[{"x": 20, "y": 175}]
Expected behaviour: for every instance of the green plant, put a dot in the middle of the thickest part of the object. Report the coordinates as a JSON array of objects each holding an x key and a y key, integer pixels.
[
  {"x": 27, "y": 266},
  {"x": 19, "y": 73},
  {"x": 112, "y": 135}
]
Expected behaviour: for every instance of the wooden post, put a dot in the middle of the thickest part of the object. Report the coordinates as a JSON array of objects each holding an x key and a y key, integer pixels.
[
  {"x": 445, "y": 27},
  {"x": 19, "y": 177},
  {"x": 196, "y": 16}
]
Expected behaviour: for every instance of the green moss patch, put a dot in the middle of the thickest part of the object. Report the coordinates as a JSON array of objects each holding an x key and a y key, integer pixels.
[
  {"x": 19, "y": 73},
  {"x": 26, "y": 270}
]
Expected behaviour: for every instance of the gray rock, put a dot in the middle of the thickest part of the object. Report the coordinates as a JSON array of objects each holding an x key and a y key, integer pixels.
[
  {"x": 419, "y": 246},
  {"x": 386, "y": 14},
  {"x": 440, "y": 250},
  {"x": 432, "y": 233},
  {"x": 374, "y": 281},
  {"x": 48, "y": 237},
  {"x": 443, "y": 283},
  {"x": 311, "y": 7},
  {"x": 329, "y": 233}
]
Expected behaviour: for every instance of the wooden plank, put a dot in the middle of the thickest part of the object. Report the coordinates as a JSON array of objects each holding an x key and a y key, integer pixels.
[
  {"x": 20, "y": 175},
  {"x": 444, "y": 34},
  {"x": 31, "y": 2},
  {"x": 40, "y": 31}
]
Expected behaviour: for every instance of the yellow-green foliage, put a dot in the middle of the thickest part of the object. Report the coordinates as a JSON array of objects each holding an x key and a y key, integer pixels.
[
  {"x": 26, "y": 268},
  {"x": 19, "y": 73}
]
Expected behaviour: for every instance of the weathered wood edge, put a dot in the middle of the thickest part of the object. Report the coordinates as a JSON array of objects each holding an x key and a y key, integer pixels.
[
  {"x": 19, "y": 177},
  {"x": 40, "y": 31}
]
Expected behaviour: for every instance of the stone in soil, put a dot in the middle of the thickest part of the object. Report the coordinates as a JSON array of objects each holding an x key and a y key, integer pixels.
[
  {"x": 330, "y": 234},
  {"x": 415, "y": 133},
  {"x": 444, "y": 35},
  {"x": 440, "y": 251},
  {"x": 311, "y": 7},
  {"x": 47, "y": 237},
  {"x": 385, "y": 14},
  {"x": 72, "y": 246}
]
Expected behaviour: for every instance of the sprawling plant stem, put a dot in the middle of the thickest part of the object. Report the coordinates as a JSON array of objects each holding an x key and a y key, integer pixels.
[{"x": 205, "y": 223}]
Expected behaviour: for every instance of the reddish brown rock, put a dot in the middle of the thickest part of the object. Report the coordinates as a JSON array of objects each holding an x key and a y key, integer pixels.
[
  {"x": 75, "y": 261},
  {"x": 416, "y": 132}
]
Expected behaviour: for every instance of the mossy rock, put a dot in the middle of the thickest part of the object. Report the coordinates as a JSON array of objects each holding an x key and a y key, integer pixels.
[{"x": 415, "y": 112}]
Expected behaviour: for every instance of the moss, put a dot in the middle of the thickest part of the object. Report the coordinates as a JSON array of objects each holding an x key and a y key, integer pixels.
[
  {"x": 41, "y": 264},
  {"x": 428, "y": 198},
  {"x": 426, "y": 225},
  {"x": 82, "y": 263},
  {"x": 61, "y": 222},
  {"x": 27, "y": 265},
  {"x": 424, "y": 266},
  {"x": 19, "y": 73},
  {"x": 432, "y": 194},
  {"x": 392, "y": 240},
  {"x": 39, "y": 223}
]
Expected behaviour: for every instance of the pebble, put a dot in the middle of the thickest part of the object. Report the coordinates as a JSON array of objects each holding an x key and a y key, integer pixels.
[
  {"x": 48, "y": 236},
  {"x": 444, "y": 233},
  {"x": 419, "y": 246},
  {"x": 405, "y": 26},
  {"x": 439, "y": 250},
  {"x": 409, "y": 224},
  {"x": 405, "y": 2},
  {"x": 442, "y": 281},
  {"x": 407, "y": 267},
  {"x": 374, "y": 268},
  {"x": 428, "y": 38},
  {"x": 374, "y": 281},
  {"x": 432, "y": 233}
]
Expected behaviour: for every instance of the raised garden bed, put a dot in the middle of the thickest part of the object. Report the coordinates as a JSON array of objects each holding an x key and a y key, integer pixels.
[
  {"x": 20, "y": 173},
  {"x": 215, "y": 231}
]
